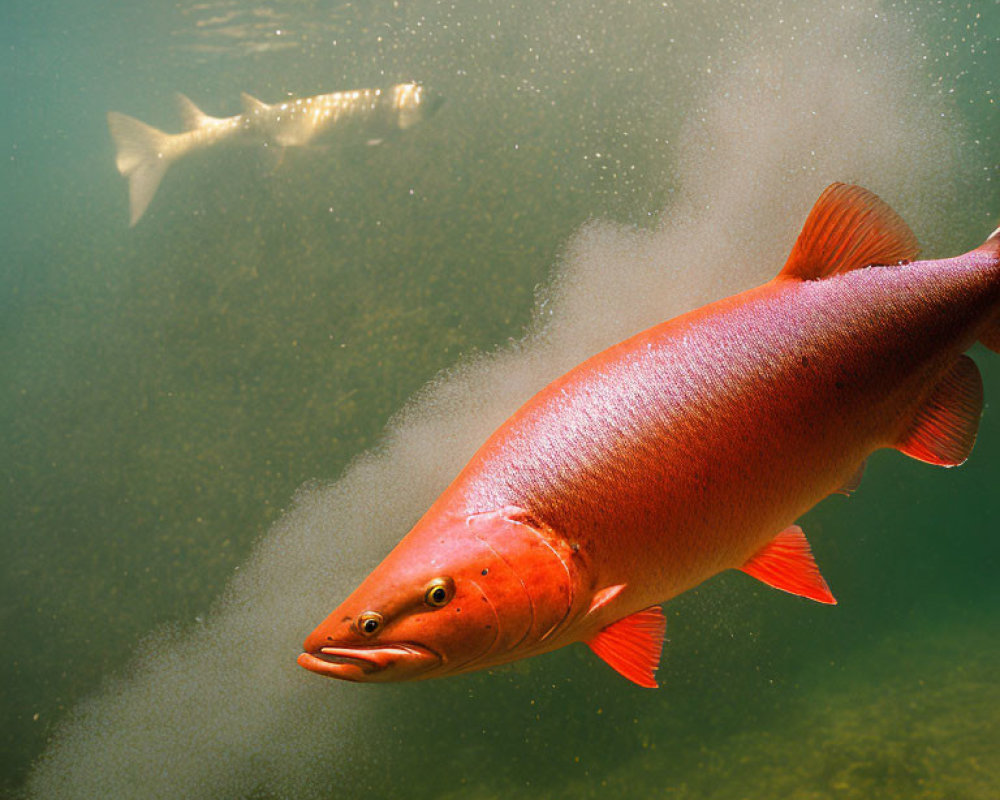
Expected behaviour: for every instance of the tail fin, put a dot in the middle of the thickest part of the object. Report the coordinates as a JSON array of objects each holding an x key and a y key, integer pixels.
[
  {"x": 991, "y": 247},
  {"x": 140, "y": 157}
]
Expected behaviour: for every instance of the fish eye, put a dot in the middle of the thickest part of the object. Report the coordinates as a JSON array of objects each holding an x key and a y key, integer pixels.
[
  {"x": 370, "y": 623},
  {"x": 439, "y": 592}
]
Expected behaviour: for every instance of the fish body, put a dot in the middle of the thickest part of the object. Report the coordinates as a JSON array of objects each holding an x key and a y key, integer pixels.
[
  {"x": 370, "y": 114},
  {"x": 686, "y": 450},
  {"x": 143, "y": 152}
]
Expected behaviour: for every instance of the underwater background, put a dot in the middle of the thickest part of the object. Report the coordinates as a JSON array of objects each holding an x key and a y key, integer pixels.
[{"x": 215, "y": 423}]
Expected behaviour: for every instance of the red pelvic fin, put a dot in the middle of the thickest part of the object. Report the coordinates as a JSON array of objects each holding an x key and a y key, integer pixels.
[
  {"x": 851, "y": 485},
  {"x": 632, "y": 645},
  {"x": 786, "y": 563},
  {"x": 848, "y": 228},
  {"x": 944, "y": 428}
]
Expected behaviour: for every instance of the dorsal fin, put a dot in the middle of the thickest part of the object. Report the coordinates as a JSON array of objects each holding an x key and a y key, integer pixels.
[
  {"x": 848, "y": 228},
  {"x": 192, "y": 116},
  {"x": 251, "y": 105},
  {"x": 786, "y": 562},
  {"x": 945, "y": 426},
  {"x": 632, "y": 645}
]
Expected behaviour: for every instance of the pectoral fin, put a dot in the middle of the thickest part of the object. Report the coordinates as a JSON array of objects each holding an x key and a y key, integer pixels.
[
  {"x": 605, "y": 596},
  {"x": 632, "y": 645},
  {"x": 787, "y": 563}
]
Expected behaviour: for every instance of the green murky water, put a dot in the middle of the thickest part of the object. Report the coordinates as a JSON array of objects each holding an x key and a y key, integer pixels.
[{"x": 168, "y": 388}]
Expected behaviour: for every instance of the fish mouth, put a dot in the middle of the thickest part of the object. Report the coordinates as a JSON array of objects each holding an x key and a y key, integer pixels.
[{"x": 394, "y": 662}]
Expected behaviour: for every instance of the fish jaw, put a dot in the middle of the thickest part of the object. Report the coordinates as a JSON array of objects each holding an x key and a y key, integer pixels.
[{"x": 375, "y": 664}]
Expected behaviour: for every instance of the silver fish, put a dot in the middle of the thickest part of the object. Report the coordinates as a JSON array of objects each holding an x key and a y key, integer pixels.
[{"x": 143, "y": 152}]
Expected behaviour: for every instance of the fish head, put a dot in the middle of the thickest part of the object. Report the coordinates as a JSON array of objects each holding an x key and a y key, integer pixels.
[
  {"x": 459, "y": 593},
  {"x": 412, "y": 103}
]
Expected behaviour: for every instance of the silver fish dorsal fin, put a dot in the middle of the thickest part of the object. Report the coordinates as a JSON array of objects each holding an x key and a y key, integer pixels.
[
  {"x": 252, "y": 106},
  {"x": 192, "y": 116}
]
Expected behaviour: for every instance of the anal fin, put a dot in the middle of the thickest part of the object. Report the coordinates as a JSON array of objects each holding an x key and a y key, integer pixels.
[
  {"x": 632, "y": 645},
  {"x": 787, "y": 563},
  {"x": 945, "y": 426}
]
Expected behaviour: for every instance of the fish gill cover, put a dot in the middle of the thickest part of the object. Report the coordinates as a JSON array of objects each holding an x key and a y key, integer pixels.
[{"x": 756, "y": 112}]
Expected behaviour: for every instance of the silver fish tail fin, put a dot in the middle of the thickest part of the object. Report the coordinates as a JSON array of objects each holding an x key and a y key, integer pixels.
[{"x": 140, "y": 156}]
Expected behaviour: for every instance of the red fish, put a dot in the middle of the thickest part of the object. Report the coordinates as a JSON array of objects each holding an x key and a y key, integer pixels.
[{"x": 686, "y": 450}]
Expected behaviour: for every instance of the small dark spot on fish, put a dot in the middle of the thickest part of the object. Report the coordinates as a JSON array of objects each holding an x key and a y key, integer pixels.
[
  {"x": 485, "y": 572},
  {"x": 575, "y": 547},
  {"x": 458, "y": 611},
  {"x": 805, "y": 361}
]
